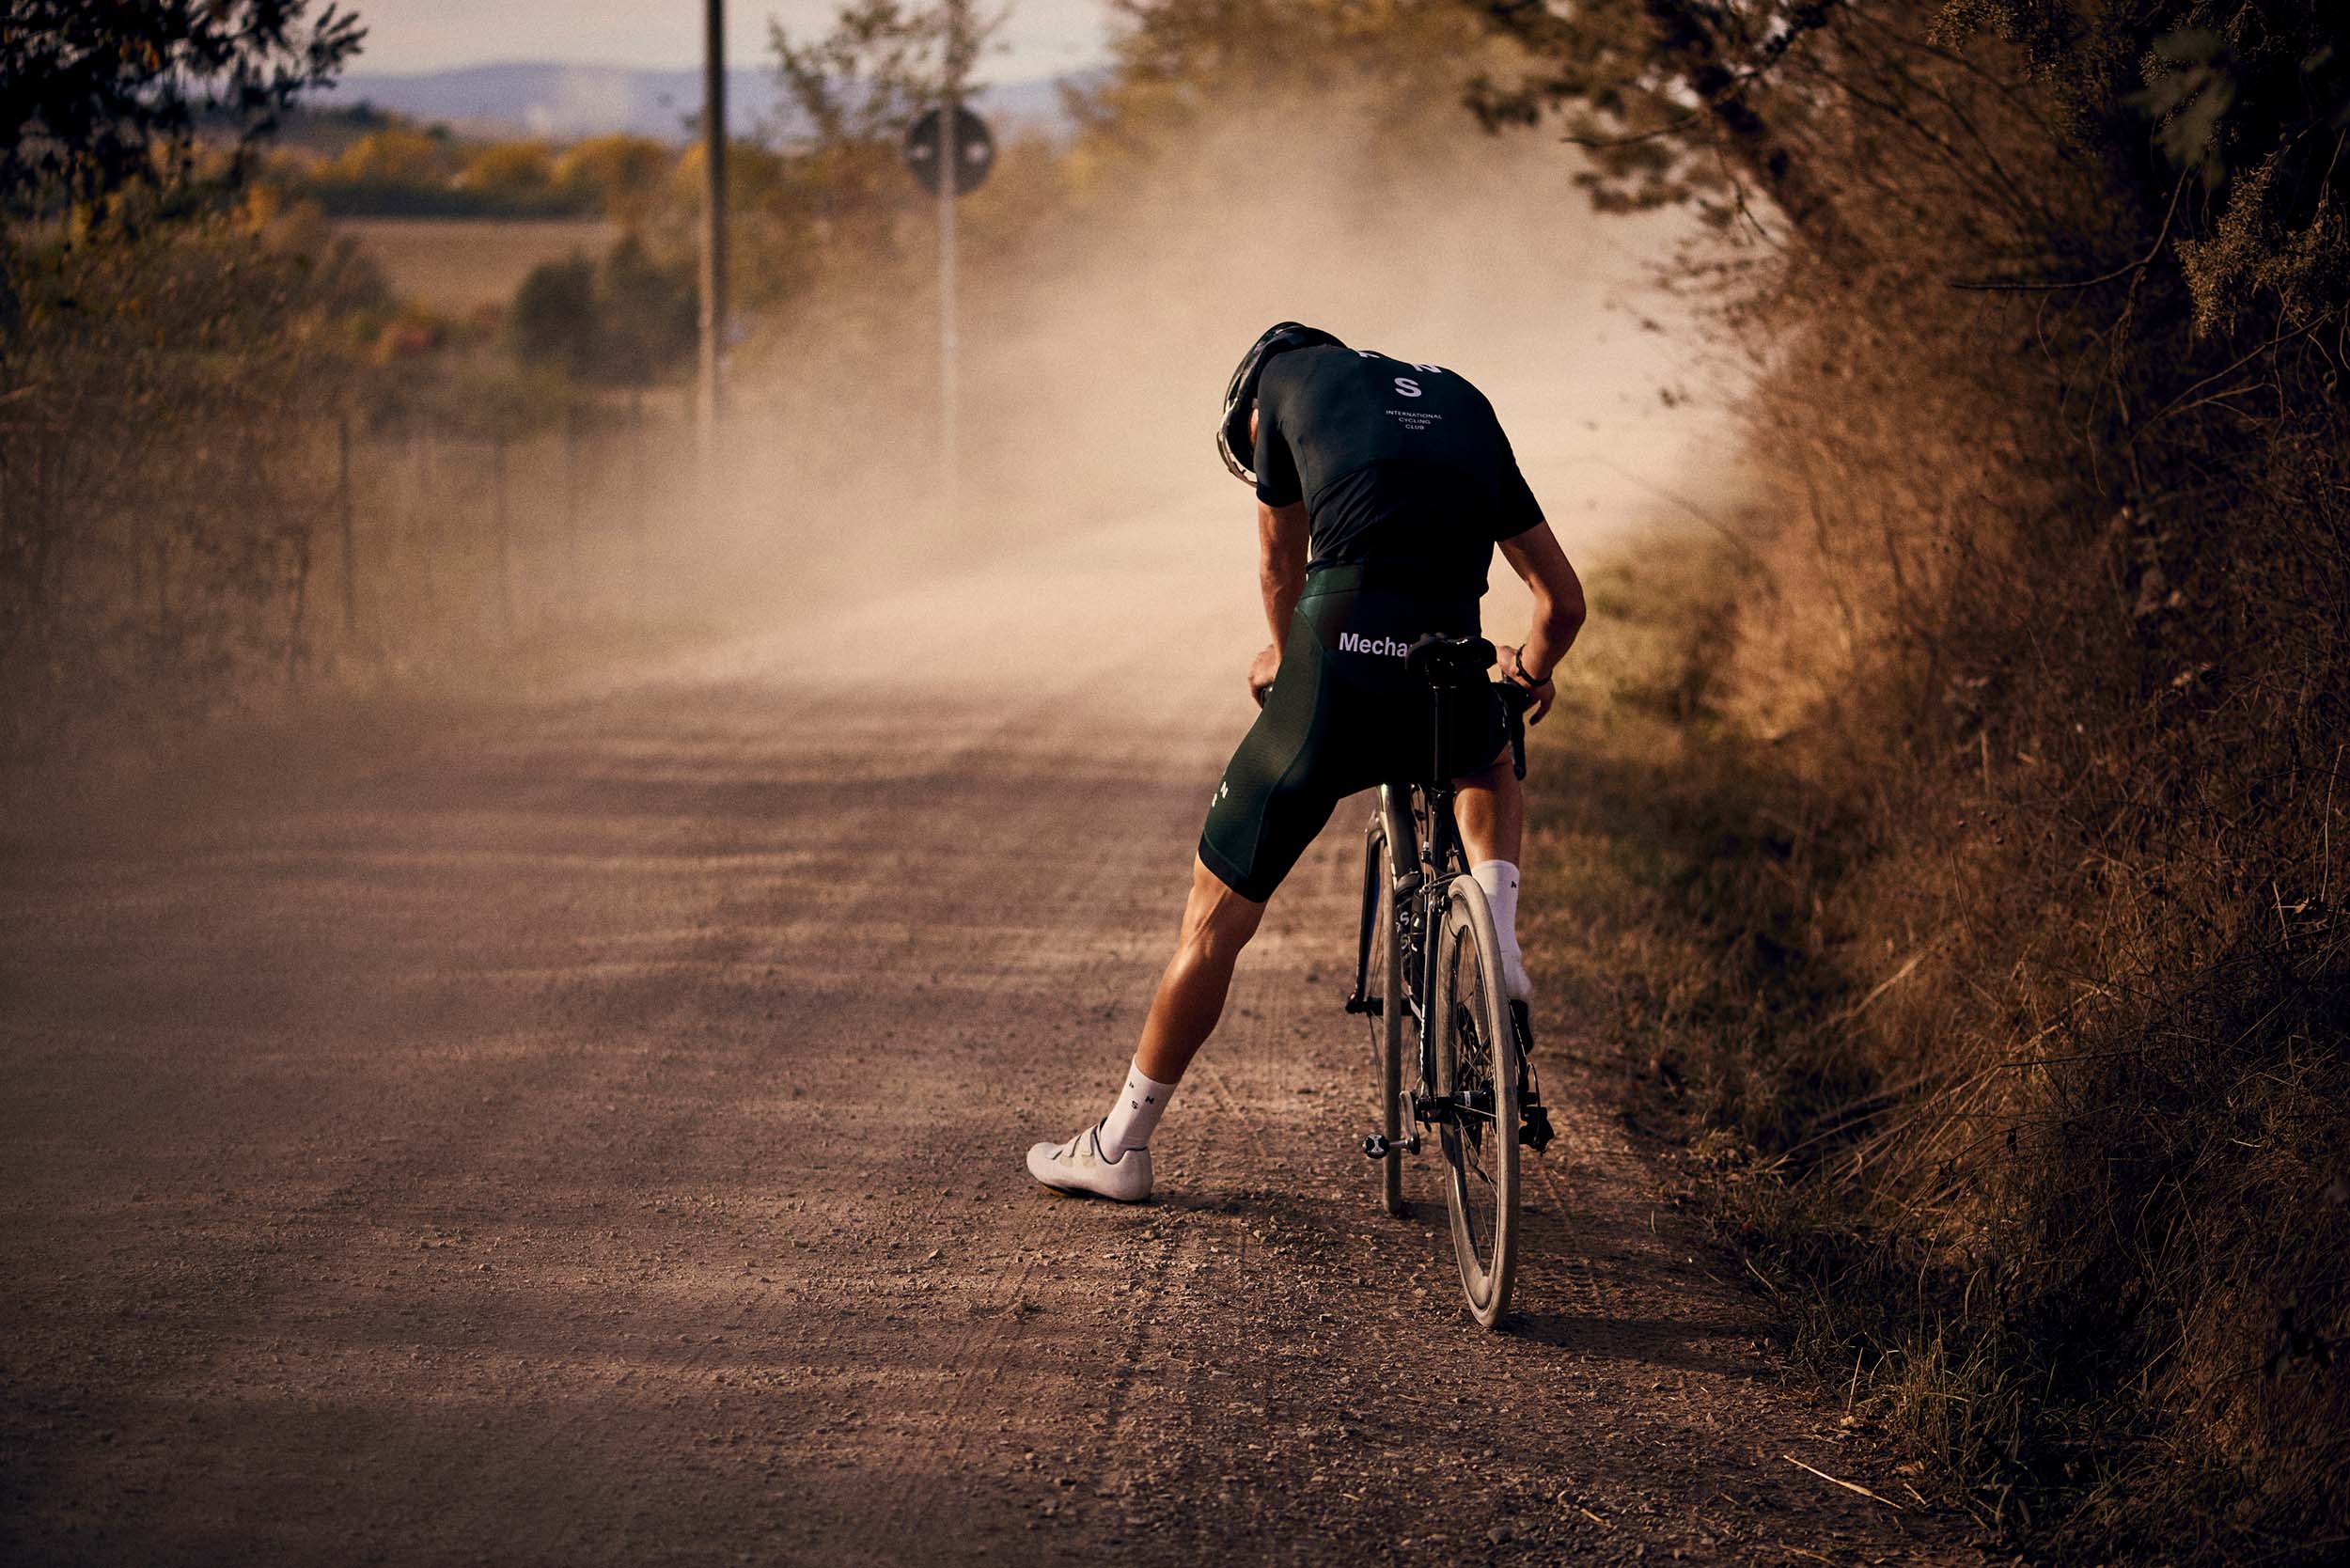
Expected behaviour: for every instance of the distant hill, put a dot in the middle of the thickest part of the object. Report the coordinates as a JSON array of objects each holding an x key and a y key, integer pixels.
[{"x": 561, "y": 101}]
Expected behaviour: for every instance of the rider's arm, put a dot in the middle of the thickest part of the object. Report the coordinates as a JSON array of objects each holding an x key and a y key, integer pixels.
[
  {"x": 1535, "y": 555},
  {"x": 1280, "y": 564},
  {"x": 1282, "y": 575}
]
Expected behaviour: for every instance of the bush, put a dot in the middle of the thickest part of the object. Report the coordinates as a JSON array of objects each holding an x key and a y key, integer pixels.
[
  {"x": 153, "y": 574},
  {"x": 2022, "y": 1054},
  {"x": 629, "y": 321}
]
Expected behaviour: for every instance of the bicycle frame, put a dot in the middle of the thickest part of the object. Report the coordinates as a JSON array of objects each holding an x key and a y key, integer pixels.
[
  {"x": 1434, "y": 857},
  {"x": 1416, "y": 873}
]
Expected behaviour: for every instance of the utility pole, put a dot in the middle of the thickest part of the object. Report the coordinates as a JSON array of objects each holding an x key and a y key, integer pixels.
[
  {"x": 949, "y": 151},
  {"x": 950, "y": 185},
  {"x": 711, "y": 400}
]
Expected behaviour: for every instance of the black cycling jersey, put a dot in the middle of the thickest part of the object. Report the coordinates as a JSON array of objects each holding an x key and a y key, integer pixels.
[
  {"x": 1408, "y": 484},
  {"x": 1398, "y": 464}
]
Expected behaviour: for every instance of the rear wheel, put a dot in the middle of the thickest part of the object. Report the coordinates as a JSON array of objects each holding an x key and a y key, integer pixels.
[
  {"x": 1478, "y": 1089},
  {"x": 1383, "y": 962}
]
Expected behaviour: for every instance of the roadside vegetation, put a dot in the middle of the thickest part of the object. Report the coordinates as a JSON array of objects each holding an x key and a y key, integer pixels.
[{"x": 1961, "y": 857}]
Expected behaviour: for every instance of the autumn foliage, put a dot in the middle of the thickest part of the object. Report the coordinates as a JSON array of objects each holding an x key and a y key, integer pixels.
[{"x": 2018, "y": 721}]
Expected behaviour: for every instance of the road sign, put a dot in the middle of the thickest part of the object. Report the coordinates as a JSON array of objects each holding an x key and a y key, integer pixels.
[{"x": 975, "y": 151}]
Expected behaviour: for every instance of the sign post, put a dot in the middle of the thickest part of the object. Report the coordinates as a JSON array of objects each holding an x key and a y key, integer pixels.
[
  {"x": 710, "y": 396},
  {"x": 949, "y": 151},
  {"x": 950, "y": 348}
]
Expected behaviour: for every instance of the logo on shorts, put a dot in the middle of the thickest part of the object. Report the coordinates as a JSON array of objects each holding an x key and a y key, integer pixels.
[
  {"x": 1223, "y": 788},
  {"x": 1388, "y": 647}
]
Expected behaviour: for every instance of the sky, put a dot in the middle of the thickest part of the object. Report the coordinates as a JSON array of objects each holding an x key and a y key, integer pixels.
[{"x": 1044, "y": 37}]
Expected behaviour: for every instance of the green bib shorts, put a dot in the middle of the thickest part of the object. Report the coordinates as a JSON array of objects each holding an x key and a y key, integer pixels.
[{"x": 1344, "y": 714}]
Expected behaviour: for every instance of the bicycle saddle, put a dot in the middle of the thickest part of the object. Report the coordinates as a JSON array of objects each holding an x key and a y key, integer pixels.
[{"x": 1443, "y": 661}]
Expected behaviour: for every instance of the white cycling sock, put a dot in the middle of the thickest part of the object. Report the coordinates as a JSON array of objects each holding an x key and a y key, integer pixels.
[
  {"x": 1499, "y": 879},
  {"x": 1134, "y": 1114}
]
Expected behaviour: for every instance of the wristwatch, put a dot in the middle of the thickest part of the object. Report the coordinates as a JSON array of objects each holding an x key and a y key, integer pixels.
[{"x": 1521, "y": 676}]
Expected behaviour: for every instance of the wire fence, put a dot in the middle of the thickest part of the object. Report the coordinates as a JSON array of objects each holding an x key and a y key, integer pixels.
[
  {"x": 200, "y": 559},
  {"x": 448, "y": 537}
]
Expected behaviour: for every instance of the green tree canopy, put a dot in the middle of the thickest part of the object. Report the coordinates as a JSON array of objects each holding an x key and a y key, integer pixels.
[{"x": 97, "y": 95}]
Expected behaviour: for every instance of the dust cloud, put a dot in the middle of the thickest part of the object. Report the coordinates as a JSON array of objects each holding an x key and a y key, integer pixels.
[{"x": 1095, "y": 353}]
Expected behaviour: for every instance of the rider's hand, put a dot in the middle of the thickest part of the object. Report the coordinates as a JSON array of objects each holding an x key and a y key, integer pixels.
[
  {"x": 1260, "y": 673},
  {"x": 1539, "y": 699}
]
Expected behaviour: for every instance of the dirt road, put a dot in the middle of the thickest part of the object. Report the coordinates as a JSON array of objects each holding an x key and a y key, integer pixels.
[{"x": 591, "y": 1133}]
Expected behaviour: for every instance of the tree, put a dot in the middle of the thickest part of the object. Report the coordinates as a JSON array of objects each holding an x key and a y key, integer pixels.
[
  {"x": 554, "y": 317},
  {"x": 1665, "y": 96},
  {"x": 650, "y": 314},
  {"x": 629, "y": 320},
  {"x": 620, "y": 174},
  {"x": 881, "y": 64},
  {"x": 99, "y": 95},
  {"x": 1681, "y": 100},
  {"x": 516, "y": 171},
  {"x": 397, "y": 156}
]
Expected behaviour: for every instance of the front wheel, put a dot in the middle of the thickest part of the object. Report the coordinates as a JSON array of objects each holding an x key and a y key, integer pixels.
[{"x": 1477, "y": 1091}]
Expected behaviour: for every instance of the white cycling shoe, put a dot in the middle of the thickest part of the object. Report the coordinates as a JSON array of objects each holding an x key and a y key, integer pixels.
[{"x": 1078, "y": 1165}]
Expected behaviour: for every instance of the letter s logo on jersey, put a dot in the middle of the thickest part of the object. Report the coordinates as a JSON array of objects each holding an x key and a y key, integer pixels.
[{"x": 1406, "y": 385}]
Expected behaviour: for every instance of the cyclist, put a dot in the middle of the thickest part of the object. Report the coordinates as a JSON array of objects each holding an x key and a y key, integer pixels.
[{"x": 1383, "y": 487}]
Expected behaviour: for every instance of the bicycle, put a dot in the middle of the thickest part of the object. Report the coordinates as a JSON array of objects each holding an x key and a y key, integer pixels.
[{"x": 1428, "y": 945}]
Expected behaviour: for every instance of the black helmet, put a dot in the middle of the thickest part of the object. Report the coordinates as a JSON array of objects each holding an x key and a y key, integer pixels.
[{"x": 1232, "y": 431}]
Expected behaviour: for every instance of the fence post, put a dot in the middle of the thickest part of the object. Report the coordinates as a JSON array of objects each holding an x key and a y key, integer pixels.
[
  {"x": 420, "y": 475},
  {"x": 351, "y": 548},
  {"x": 639, "y": 493},
  {"x": 573, "y": 565},
  {"x": 300, "y": 601},
  {"x": 305, "y": 529},
  {"x": 498, "y": 521}
]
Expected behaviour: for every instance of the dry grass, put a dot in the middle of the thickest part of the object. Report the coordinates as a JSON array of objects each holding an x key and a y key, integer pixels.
[
  {"x": 1976, "y": 923},
  {"x": 1962, "y": 854}
]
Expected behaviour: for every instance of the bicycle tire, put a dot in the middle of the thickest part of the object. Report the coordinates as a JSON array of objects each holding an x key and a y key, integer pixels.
[
  {"x": 1382, "y": 966},
  {"x": 1475, "y": 1069}
]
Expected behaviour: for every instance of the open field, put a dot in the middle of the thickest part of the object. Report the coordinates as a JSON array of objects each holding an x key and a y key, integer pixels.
[{"x": 459, "y": 265}]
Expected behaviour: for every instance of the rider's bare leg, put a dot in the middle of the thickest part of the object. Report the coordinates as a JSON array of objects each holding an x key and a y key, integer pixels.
[
  {"x": 1217, "y": 923},
  {"x": 1490, "y": 807}
]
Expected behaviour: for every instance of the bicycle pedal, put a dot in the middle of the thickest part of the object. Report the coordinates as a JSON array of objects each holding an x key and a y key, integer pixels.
[
  {"x": 1534, "y": 1127},
  {"x": 1375, "y": 1147}
]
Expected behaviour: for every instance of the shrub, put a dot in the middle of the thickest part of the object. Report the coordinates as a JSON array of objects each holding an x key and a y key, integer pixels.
[{"x": 2035, "y": 985}]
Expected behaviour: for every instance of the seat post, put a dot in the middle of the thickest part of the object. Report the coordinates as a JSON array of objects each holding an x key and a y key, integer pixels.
[{"x": 1435, "y": 742}]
